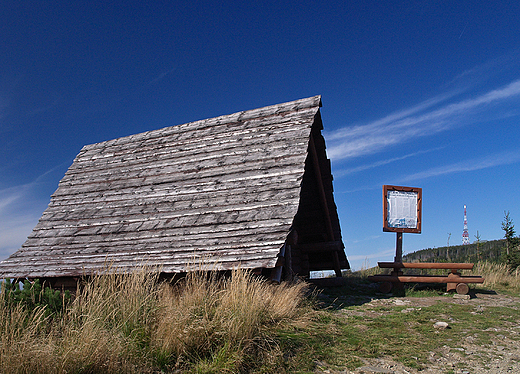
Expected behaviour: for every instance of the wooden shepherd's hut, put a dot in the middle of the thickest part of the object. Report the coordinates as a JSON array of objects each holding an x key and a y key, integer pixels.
[{"x": 251, "y": 189}]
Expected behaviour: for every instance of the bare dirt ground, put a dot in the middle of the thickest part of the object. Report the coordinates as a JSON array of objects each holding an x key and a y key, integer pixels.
[{"x": 501, "y": 356}]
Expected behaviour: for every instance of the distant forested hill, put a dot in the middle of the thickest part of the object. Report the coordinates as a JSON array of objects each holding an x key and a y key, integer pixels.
[{"x": 485, "y": 250}]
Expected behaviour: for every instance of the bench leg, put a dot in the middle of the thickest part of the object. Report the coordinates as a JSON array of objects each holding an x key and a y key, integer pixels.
[
  {"x": 385, "y": 287},
  {"x": 451, "y": 287},
  {"x": 397, "y": 285},
  {"x": 462, "y": 289}
]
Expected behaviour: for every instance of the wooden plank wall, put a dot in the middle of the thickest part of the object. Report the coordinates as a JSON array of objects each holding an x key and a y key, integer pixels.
[
  {"x": 223, "y": 190},
  {"x": 315, "y": 248}
]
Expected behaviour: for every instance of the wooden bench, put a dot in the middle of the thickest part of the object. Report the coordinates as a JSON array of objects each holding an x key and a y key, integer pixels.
[{"x": 454, "y": 280}]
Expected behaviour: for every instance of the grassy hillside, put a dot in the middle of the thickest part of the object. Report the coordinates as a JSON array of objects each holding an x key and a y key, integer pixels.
[
  {"x": 492, "y": 251},
  {"x": 243, "y": 324},
  {"x": 132, "y": 324}
]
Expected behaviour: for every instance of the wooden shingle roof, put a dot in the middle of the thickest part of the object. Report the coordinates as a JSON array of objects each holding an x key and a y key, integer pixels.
[{"x": 225, "y": 190}]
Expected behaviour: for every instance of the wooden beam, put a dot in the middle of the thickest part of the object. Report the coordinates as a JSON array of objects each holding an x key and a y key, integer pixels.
[
  {"x": 425, "y": 265},
  {"x": 334, "y": 246},
  {"x": 320, "y": 266},
  {"x": 276, "y": 272},
  {"x": 426, "y": 279},
  {"x": 399, "y": 247},
  {"x": 323, "y": 199}
]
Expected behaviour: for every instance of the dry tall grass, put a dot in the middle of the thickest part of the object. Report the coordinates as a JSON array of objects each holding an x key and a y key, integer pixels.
[
  {"x": 206, "y": 318},
  {"x": 130, "y": 323},
  {"x": 22, "y": 344},
  {"x": 497, "y": 275}
]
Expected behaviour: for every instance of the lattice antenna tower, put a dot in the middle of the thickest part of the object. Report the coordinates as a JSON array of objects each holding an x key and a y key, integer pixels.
[{"x": 465, "y": 233}]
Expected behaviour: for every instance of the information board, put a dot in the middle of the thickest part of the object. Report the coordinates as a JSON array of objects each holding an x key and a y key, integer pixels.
[{"x": 402, "y": 209}]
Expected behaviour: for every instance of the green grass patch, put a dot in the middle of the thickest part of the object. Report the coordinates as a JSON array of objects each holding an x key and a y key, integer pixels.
[
  {"x": 209, "y": 324},
  {"x": 350, "y": 328}
]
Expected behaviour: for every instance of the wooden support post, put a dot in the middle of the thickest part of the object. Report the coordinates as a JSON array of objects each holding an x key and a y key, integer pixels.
[
  {"x": 323, "y": 198},
  {"x": 398, "y": 254},
  {"x": 290, "y": 242},
  {"x": 276, "y": 273},
  {"x": 399, "y": 247},
  {"x": 288, "y": 262}
]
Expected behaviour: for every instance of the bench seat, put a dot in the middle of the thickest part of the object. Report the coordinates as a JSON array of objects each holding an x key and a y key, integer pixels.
[
  {"x": 454, "y": 280},
  {"x": 451, "y": 278},
  {"x": 427, "y": 265}
]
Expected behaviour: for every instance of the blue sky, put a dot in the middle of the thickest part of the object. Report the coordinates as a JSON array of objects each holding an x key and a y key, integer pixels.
[{"x": 415, "y": 93}]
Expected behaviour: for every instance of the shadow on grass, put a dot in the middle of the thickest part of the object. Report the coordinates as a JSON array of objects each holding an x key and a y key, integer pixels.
[
  {"x": 340, "y": 293},
  {"x": 482, "y": 291},
  {"x": 352, "y": 290}
]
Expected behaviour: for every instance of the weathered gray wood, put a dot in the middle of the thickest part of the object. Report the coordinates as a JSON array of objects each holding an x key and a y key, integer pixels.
[
  {"x": 190, "y": 185},
  {"x": 203, "y": 148},
  {"x": 427, "y": 265},
  {"x": 426, "y": 278},
  {"x": 187, "y": 162},
  {"x": 324, "y": 203},
  {"x": 224, "y": 191}
]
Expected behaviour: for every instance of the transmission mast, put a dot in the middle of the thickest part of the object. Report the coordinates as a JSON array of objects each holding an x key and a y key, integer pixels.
[{"x": 465, "y": 233}]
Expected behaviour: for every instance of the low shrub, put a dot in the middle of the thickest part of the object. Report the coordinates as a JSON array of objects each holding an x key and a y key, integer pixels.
[
  {"x": 33, "y": 295},
  {"x": 131, "y": 323}
]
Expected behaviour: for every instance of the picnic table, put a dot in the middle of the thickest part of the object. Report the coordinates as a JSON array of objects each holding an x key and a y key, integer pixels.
[{"x": 454, "y": 280}]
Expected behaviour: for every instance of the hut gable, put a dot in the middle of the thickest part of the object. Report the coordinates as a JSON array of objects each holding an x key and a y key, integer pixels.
[{"x": 226, "y": 190}]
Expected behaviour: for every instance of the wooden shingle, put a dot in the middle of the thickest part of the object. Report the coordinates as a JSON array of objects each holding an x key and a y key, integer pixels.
[{"x": 227, "y": 190}]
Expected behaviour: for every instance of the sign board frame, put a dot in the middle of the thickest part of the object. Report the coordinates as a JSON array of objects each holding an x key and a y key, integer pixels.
[{"x": 405, "y": 198}]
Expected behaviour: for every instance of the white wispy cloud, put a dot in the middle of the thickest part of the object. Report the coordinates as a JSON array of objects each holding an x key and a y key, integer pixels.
[
  {"x": 365, "y": 239},
  {"x": 424, "y": 119},
  {"x": 367, "y": 260},
  {"x": 20, "y": 209},
  {"x": 343, "y": 172},
  {"x": 383, "y": 253},
  {"x": 503, "y": 158},
  {"x": 14, "y": 231},
  {"x": 9, "y": 196},
  {"x": 15, "y": 224}
]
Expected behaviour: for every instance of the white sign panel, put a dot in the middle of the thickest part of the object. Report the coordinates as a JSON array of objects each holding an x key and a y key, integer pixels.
[{"x": 402, "y": 209}]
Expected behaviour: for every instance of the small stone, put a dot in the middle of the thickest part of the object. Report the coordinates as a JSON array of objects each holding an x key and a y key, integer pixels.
[
  {"x": 462, "y": 297},
  {"x": 320, "y": 364},
  {"x": 374, "y": 370},
  {"x": 441, "y": 325}
]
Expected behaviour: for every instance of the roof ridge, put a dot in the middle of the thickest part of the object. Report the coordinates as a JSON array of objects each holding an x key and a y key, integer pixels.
[{"x": 275, "y": 109}]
